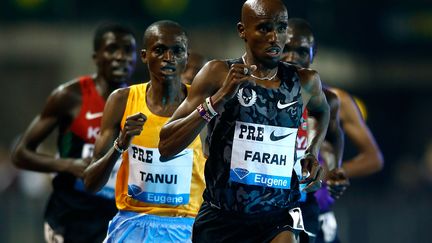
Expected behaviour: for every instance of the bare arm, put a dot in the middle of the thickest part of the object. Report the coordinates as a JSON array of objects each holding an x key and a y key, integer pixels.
[
  {"x": 334, "y": 136},
  {"x": 369, "y": 158},
  {"x": 105, "y": 156},
  {"x": 58, "y": 111},
  {"x": 318, "y": 108},
  {"x": 215, "y": 79},
  {"x": 332, "y": 149}
]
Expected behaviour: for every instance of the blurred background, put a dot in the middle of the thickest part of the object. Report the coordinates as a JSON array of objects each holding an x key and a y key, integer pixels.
[{"x": 379, "y": 51}]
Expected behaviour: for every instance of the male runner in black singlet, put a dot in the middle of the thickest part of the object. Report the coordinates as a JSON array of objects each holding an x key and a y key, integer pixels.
[{"x": 253, "y": 107}]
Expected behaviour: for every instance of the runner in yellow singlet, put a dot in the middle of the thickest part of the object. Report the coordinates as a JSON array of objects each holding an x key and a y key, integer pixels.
[{"x": 157, "y": 198}]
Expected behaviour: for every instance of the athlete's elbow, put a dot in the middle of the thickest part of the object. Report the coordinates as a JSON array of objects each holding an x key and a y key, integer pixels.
[
  {"x": 376, "y": 162},
  {"x": 164, "y": 150},
  {"x": 169, "y": 150},
  {"x": 18, "y": 157},
  {"x": 89, "y": 182},
  {"x": 164, "y": 145},
  {"x": 379, "y": 162},
  {"x": 162, "y": 142}
]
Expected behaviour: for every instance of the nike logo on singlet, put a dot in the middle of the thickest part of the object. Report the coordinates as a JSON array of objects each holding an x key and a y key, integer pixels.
[
  {"x": 274, "y": 137},
  {"x": 166, "y": 159},
  {"x": 91, "y": 116},
  {"x": 283, "y": 106}
]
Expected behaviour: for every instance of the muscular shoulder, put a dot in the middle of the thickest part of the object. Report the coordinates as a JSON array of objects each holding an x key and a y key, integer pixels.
[
  {"x": 68, "y": 91},
  {"x": 119, "y": 95},
  {"x": 210, "y": 78},
  {"x": 307, "y": 74},
  {"x": 310, "y": 80},
  {"x": 348, "y": 109},
  {"x": 115, "y": 106},
  {"x": 65, "y": 100},
  {"x": 117, "y": 100},
  {"x": 332, "y": 98},
  {"x": 341, "y": 94},
  {"x": 217, "y": 64},
  {"x": 218, "y": 68}
]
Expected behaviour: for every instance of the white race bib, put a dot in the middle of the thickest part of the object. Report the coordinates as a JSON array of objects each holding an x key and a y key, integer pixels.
[
  {"x": 263, "y": 155},
  {"x": 159, "y": 182}
]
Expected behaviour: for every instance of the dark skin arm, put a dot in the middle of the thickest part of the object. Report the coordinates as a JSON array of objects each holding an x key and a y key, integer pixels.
[
  {"x": 332, "y": 149},
  {"x": 369, "y": 159},
  {"x": 60, "y": 109},
  {"x": 105, "y": 156},
  {"x": 318, "y": 109},
  {"x": 334, "y": 134},
  {"x": 216, "y": 80}
]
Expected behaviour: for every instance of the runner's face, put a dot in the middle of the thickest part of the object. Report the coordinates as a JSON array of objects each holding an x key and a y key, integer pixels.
[
  {"x": 265, "y": 34},
  {"x": 116, "y": 57},
  {"x": 166, "y": 54},
  {"x": 298, "y": 49}
]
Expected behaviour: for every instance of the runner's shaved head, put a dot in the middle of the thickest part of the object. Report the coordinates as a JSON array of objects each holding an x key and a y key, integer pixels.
[
  {"x": 262, "y": 9},
  {"x": 168, "y": 25}
]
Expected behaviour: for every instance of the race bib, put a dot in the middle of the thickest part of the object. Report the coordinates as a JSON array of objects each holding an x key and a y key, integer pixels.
[
  {"x": 159, "y": 182},
  {"x": 296, "y": 215},
  {"x": 263, "y": 155},
  {"x": 108, "y": 191}
]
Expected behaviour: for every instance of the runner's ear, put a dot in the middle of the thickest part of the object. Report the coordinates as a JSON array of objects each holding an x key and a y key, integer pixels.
[{"x": 241, "y": 30}]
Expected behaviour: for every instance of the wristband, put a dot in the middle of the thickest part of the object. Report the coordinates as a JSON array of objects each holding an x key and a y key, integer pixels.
[
  {"x": 117, "y": 148},
  {"x": 210, "y": 107},
  {"x": 203, "y": 113}
]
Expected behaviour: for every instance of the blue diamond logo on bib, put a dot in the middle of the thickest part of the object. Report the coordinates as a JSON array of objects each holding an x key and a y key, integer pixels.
[
  {"x": 134, "y": 189},
  {"x": 241, "y": 173}
]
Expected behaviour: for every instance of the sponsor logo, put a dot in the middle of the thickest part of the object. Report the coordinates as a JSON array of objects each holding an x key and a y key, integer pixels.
[
  {"x": 241, "y": 173},
  {"x": 93, "y": 132},
  {"x": 274, "y": 137},
  {"x": 142, "y": 155},
  {"x": 166, "y": 159},
  {"x": 250, "y": 132},
  {"x": 91, "y": 116},
  {"x": 283, "y": 106},
  {"x": 245, "y": 100}
]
